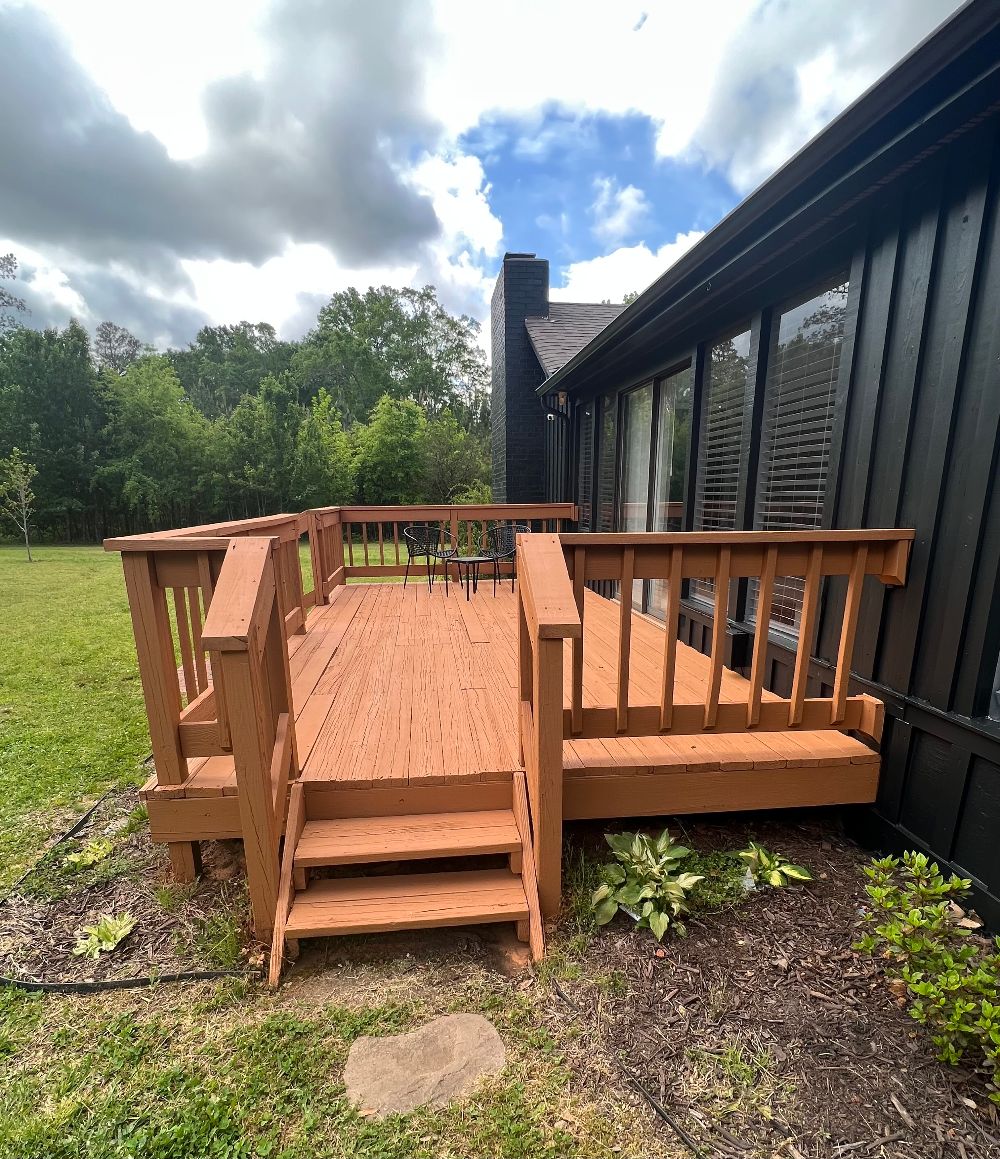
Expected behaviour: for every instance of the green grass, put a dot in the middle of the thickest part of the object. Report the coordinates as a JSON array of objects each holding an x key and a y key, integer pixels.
[
  {"x": 235, "y": 1071},
  {"x": 72, "y": 722}
]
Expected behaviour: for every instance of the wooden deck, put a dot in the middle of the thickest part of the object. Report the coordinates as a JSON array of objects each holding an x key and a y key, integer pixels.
[
  {"x": 395, "y": 687},
  {"x": 343, "y": 725}
]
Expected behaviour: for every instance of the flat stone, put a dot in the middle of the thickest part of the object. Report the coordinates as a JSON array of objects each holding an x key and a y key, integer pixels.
[{"x": 434, "y": 1064}]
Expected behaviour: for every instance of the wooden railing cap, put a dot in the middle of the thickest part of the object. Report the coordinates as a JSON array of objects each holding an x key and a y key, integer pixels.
[
  {"x": 240, "y": 595},
  {"x": 546, "y": 587}
]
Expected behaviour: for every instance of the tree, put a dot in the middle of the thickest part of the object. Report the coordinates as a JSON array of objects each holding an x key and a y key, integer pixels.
[
  {"x": 401, "y": 343},
  {"x": 17, "y": 500},
  {"x": 259, "y": 448},
  {"x": 323, "y": 474},
  {"x": 453, "y": 461},
  {"x": 155, "y": 446},
  {"x": 10, "y": 305},
  {"x": 224, "y": 363},
  {"x": 53, "y": 408},
  {"x": 115, "y": 348},
  {"x": 389, "y": 453}
]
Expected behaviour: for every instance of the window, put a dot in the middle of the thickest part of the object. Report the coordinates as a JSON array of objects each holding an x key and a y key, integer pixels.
[
  {"x": 606, "y": 464},
  {"x": 585, "y": 464},
  {"x": 673, "y": 439},
  {"x": 799, "y": 399},
  {"x": 722, "y": 441},
  {"x": 722, "y": 433},
  {"x": 633, "y": 493}
]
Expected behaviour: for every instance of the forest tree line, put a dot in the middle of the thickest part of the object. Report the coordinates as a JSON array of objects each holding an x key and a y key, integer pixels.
[{"x": 384, "y": 401}]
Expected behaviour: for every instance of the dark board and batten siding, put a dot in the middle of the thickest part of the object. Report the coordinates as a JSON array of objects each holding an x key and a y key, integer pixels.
[{"x": 915, "y": 443}]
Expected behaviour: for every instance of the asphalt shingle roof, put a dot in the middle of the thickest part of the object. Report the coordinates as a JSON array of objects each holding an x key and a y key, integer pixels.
[{"x": 567, "y": 329}]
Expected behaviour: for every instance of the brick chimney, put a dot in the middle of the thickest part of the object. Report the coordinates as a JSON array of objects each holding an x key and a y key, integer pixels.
[{"x": 522, "y": 291}]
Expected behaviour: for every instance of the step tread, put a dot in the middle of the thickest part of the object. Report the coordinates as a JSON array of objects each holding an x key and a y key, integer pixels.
[
  {"x": 355, "y": 840},
  {"x": 406, "y": 901}
]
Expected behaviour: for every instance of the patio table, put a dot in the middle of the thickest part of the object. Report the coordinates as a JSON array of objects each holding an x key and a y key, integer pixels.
[{"x": 471, "y": 563}]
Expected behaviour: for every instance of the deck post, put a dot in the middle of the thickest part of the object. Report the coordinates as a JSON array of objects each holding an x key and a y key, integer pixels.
[
  {"x": 160, "y": 689},
  {"x": 547, "y": 767}
]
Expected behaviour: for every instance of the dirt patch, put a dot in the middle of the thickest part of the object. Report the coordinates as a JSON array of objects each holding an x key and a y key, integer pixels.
[
  {"x": 112, "y": 867},
  {"x": 762, "y": 1031}
]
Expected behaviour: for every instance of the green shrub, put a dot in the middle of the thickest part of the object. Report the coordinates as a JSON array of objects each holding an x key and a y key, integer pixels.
[
  {"x": 644, "y": 878},
  {"x": 952, "y": 981},
  {"x": 111, "y": 929}
]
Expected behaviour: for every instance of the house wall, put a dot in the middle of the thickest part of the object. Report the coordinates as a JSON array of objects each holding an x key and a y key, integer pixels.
[{"x": 914, "y": 444}]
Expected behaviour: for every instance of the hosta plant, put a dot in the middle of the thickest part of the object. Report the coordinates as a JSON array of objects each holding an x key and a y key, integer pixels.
[
  {"x": 102, "y": 938},
  {"x": 767, "y": 868},
  {"x": 645, "y": 881},
  {"x": 951, "y": 980}
]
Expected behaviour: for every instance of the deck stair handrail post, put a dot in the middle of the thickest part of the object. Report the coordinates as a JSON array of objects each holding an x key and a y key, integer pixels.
[
  {"x": 809, "y": 557},
  {"x": 246, "y": 633},
  {"x": 547, "y": 615}
]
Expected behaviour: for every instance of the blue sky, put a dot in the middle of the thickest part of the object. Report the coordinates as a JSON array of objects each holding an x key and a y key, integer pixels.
[
  {"x": 554, "y": 179},
  {"x": 178, "y": 163}
]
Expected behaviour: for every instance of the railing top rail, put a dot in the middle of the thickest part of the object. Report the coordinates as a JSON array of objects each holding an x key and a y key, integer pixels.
[
  {"x": 177, "y": 543},
  {"x": 729, "y": 538},
  {"x": 242, "y": 594},
  {"x": 153, "y": 540},
  {"x": 546, "y": 589}
]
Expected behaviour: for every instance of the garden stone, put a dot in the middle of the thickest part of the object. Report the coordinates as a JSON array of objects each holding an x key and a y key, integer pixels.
[{"x": 434, "y": 1064}]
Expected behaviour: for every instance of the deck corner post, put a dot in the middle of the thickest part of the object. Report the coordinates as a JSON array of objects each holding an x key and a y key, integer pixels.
[{"x": 547, "y": 767}]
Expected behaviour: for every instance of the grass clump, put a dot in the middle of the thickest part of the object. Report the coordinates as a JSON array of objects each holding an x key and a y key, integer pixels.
[{"x": 217, "y": 939}]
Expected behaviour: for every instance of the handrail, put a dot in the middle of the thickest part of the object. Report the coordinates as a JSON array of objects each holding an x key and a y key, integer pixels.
[
  {"x": 547, "y": 615},
  {"x": 246, "y": 635}
]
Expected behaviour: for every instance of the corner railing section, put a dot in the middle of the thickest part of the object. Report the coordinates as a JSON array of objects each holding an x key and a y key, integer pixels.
[
  {"x": 674, "y": 559},
  {"x": 368, "y": 542},
  {"x": 245, "y": 632},
  {"x": 547, "y": 615}
]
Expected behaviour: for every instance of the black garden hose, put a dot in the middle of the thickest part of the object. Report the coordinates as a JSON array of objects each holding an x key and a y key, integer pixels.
[{"x": 109, "y": 983}]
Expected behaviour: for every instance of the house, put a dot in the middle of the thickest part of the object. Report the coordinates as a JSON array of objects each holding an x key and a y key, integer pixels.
[{"x": 828, "y": 357}]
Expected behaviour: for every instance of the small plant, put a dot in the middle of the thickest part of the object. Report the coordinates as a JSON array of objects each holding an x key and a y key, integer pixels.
[
  {"x": 136, "y": 820},
  {"x": 771, "y": 868},
  {"x": 218, "y": 939},
  {"x": 93, "y": 852},
  {"x": 644, "y": 880},
  {"x": 110, "y": 931},
  {"x": 952, "y": 982}
]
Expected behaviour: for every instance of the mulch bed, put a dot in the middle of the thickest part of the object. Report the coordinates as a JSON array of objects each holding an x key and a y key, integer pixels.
[
  {"x": 178, "y": 928},
  {"x": 763, "y": 1033}
]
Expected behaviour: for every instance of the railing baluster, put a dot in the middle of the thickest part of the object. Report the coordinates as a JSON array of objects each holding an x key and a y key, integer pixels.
[
  {"x": 807, "y": 621},
  {"x": 381, "y": 545},
  {"x": 625, "y": 634},
  {"x": 579, "y": 574},
  {"x": 855, "y": 587},
  {"x": 765, "y": 596},
  {"x": 184, "y": 640},
  {"x": 364, "y": 542},
  {"x": 719, "y": 621},
  {"x": 350, "y": 543},
  {"x": 671, "y": 616},
  {"x": 194, "y": 603}
]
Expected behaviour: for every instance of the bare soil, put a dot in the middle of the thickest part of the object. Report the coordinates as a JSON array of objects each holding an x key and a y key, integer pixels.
[
  {"x": 762, "y": 1031},
  {"x": 179, "y": 928}
]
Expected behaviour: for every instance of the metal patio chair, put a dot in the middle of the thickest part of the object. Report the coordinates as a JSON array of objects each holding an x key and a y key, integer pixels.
[
  {"x": 428, "y": 543},
  {"x": 500, "y": 543}
]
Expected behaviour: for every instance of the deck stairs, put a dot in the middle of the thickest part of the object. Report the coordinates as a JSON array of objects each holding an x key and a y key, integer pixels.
[{"x": 332, "y": 879}]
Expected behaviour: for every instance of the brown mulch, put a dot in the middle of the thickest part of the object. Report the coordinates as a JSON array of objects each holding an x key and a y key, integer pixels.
[
  {"x": 41, "y": 917},
  {"x": 763, "y": 1033}
]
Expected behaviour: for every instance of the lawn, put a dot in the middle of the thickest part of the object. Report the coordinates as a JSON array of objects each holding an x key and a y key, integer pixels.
[{"x": 71, "y": 714}]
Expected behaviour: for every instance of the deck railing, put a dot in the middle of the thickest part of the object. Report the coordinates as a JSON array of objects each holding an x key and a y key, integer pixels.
[
  {"x": 208, "y": 692},
  {"x": 554, "y": 573},
  {"x": 724, "y": 558},
  {"x": 547, "y": 615},
  {"x": 368, "y": 542}
]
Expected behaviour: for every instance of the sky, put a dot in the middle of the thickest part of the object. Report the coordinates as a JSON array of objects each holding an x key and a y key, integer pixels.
[{"x": 173, "y": 165}]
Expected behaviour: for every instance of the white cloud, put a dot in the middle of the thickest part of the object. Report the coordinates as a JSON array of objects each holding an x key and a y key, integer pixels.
[
  {"x": 624, "y": 271},
  {"x": 617, "y": 212}
]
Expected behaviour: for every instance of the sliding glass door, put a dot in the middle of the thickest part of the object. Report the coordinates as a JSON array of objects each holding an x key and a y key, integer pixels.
[
  {"x": 673, "y": 440},
  {"x": 633, "y": 491}
]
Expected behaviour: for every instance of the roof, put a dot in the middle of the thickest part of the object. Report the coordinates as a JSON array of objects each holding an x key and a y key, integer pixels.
[
  {"x": 567, "y": 329},
  {"x": 956, "y": 65}
]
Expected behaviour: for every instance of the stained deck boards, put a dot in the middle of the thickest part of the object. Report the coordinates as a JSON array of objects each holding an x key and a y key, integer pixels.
[{"x": 397, "y": 687}]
